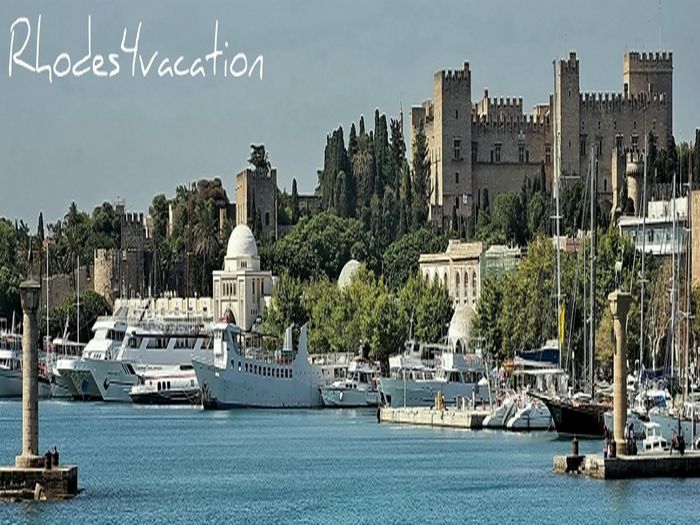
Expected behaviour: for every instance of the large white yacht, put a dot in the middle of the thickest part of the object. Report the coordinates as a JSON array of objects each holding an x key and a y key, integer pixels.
[
  {"x": 109, "y": 332},
  {"x": 61, "y": 349},
  {"x": 416, "y": 376},
  {"x": 359, "y": 389},
  {"x": 239, "y": 373},
  {"x": 146, "y": 351}
]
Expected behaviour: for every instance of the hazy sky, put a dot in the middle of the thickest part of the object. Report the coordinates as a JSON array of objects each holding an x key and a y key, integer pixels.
[{"x": 92, "y": 139}]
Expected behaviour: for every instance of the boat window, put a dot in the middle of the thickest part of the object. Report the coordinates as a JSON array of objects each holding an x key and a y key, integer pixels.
[
  {"x": 239, "y": 366},
  {"x": 158, "y": 385},
  {"x": 290, "y": 373},
  {"x": 130, "y": 368},
  {"x": 192, "y": 382},
  {"x": 168, "y": 385}
]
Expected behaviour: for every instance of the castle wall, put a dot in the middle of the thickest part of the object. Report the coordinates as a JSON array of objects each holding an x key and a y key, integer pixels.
[{"x": 610, "y": 120}]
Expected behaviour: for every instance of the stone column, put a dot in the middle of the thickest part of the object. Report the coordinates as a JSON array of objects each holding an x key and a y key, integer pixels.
[
  {"x": 30, "y": 292},
  {"x": 620, "y": 304}
]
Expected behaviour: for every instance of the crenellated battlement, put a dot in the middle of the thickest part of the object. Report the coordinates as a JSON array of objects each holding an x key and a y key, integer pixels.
[
  {"x": 617, "y": 100},
  {"x": 451, "y": 75},
  {"x": 523, "y": 123},
  {"x": 506, "y": 103},
  {"x": 660, "y": 60},
  {"x": 570, "y": 64},
  {"x": 133, "y": 219}
]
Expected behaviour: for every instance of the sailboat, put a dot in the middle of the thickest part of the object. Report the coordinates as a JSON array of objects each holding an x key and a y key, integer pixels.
[
  {"x": 682, "y": 419},
  {"x": 578, "y": 415}
]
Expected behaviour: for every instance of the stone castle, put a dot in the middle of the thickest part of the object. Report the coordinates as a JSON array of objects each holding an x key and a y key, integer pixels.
[{"x": 492, "y": 145}]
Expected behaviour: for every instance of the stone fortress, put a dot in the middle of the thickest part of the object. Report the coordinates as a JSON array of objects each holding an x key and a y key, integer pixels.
[{"x": 492, "y": 145}]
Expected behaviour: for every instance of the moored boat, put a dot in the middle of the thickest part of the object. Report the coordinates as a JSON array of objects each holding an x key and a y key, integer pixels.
[{"x": 359, "y": 389}]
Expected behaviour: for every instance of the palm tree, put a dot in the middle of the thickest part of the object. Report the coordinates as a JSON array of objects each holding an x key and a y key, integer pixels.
[{"x": 207, "y": 236}]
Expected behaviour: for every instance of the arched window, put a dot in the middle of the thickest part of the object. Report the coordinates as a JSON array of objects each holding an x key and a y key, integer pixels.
[
  {"x": 474, "y": 287},
  {"x": 457, "y": 286},
  {"x": 466, "y": 286},
  {"x": 447, "y": 283}
]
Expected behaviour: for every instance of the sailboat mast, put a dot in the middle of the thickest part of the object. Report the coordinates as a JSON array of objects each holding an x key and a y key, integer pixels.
[
  {"x": 688, "y": 276},
  {"x": 47, "y": 293},
  {"x": 557, "y": 175},
  {"x": 673, "y": 275},
  {"x": 642, "y": 281},
  {"x": 77, "y": 321},
  {"x": 593, "y": 170}
]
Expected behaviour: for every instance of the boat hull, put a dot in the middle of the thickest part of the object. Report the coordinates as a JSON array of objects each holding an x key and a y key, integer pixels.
[
  {"x": 346, "y": 398},
  {"x": 168, "y": 397},
  {"x": 226, "y": 388},
  {"x": 583, "y": 421},
  {"x": 11, "y": 385},
  {"x": 78, "y": 379}
]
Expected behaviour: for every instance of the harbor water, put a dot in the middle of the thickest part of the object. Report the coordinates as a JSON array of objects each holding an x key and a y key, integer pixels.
[{"x": 147, "y": 465}]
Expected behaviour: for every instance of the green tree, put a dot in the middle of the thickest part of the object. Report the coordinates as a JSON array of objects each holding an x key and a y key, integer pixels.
[
  {"x": 206, "y": 231},
  {"x": 259, "y": 158},
  {"x": 488, "y": 310},
  {"x": 295, "y": 202},
  {"x": 421, "y": 180}
]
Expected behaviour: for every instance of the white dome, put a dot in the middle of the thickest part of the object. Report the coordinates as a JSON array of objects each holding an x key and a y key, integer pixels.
[
  {"x": 347, "y": 272},
  {"x": 241, "y": 243},
  {"x": 459, "y": 324}
]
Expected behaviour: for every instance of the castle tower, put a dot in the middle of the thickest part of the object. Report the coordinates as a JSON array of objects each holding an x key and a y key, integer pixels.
[
  {"x": 451, "y": 168},
  {"x": 649, "y": 74},
  {"x": 256, "y": 194},
  {"x": 568, "y": 114}
]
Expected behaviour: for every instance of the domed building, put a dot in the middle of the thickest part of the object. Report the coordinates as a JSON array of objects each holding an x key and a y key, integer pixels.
[
  {"x": 349, "y": 269},
  {"x": 241, "y": 286}
]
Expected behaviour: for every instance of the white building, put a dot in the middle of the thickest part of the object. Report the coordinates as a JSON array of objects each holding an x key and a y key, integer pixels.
[
  {"x": 658, "y": 227},
  {"x": 241, "y": 286}
]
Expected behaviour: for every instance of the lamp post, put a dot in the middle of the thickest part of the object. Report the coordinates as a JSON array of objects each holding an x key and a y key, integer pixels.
[{"x": 30, "y": 293}]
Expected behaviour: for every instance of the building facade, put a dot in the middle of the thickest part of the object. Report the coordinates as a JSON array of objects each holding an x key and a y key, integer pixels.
[
  {"x": 492, "y": 145},
  {"x": 241, "y": 286}
]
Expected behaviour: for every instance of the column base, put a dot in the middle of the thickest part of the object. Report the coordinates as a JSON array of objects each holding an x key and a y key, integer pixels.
[{"x": 29, "y": 461}]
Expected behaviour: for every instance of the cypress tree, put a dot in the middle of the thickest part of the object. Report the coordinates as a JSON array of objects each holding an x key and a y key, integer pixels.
[
  {"x": 421, "y": 180},
  {"x": 295, "y": 202}
]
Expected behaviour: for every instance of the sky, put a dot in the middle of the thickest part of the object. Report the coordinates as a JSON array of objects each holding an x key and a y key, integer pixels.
[{"x": 91, "y": 139}]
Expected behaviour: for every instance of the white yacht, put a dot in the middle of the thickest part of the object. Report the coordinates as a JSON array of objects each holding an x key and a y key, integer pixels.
[
  {"x": 146, "y": 351},
  {"x": 11, "y": 368},
  {"x": 109, "y": 332},
  {"x": 416, "y": 376},
  {"x": 61, "y": 349},
  {"x": 239, "y": 373},
  {"x": 504, "y": 410},
  {"x": 175, "y": 387},
  {"x": 359, "y": 389},
  {"x": 533, "y": 414}
]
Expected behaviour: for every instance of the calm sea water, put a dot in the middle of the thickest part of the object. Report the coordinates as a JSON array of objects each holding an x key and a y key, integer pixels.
[{"x": 182, "y": 465}]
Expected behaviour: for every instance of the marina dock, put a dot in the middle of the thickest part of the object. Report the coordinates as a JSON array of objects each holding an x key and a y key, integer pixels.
[
  {"x": 452, "y": 418},
  {"x": 628, "y": 467}
]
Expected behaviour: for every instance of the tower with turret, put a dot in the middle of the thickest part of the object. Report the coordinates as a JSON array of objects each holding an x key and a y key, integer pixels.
[
  {"x": 450, "y": 151},
  {"x": 568, "y": 114}
]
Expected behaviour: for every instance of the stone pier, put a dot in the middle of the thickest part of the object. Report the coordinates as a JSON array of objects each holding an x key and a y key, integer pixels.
[{"x": 34, "y": 476}]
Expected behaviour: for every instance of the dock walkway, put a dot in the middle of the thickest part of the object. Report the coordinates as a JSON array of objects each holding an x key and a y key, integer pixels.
[{"x": 453, "y": 418}]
